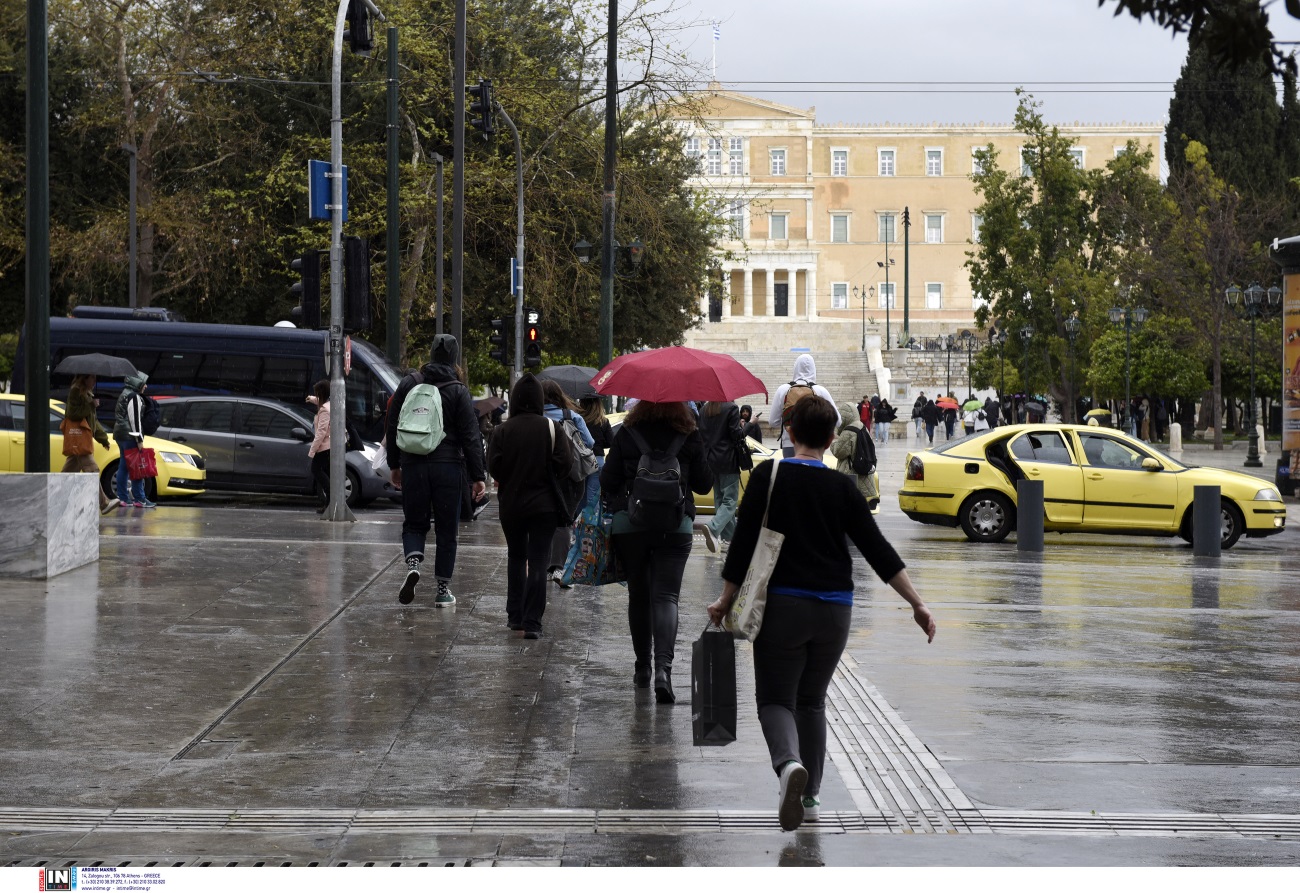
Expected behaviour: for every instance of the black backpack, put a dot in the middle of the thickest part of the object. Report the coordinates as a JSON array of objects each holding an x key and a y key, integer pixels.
[
  {"x": 570, "y": 494},
  {"x": 150, "y": 415},
  {"x": 656, "y": 500},
  {"x": 864, "y": 453}
]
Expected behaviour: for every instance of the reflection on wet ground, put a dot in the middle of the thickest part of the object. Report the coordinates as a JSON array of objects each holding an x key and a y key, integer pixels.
[{"x": 225, "y": 659}]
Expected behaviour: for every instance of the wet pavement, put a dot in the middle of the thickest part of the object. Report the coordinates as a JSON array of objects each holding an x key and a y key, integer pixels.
[{"x": 234, "y": 681}]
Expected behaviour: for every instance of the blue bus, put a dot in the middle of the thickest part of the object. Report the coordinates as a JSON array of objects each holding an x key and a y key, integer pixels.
[{"x": 281, "y": 363}]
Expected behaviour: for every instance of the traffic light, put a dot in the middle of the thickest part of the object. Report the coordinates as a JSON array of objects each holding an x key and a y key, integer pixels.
[
  {"x": 498, "y": 341},
  {"x": 480, "y": 110},
  {"x": 359, "y": 31},
  {"x": 532, "y": 338},
  {"x": 307, "y": 289},
  {"x": 356, "y": 294}
]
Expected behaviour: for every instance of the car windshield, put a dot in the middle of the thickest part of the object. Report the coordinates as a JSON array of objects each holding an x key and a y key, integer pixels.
[{"x": 952, "y": 444}]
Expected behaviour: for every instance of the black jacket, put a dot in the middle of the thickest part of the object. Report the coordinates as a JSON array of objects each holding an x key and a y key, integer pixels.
[
  {"x": 522, "y": 458},
  {"x": 462, "y": 443},
  {"x": 621, "y": 461},
  {"x": 721, "y": 435}
]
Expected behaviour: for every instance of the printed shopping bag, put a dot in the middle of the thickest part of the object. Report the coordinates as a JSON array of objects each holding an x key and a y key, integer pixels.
[
  {"x": 591, "y": 560},
  {"x": 713, "y": 688}
]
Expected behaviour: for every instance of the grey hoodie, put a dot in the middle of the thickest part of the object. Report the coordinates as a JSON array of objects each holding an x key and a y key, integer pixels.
[{"x": 805, "y": 372}]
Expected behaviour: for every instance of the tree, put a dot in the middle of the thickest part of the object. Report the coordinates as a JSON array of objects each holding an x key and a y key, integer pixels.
[{"x": 1235, "y": 31}]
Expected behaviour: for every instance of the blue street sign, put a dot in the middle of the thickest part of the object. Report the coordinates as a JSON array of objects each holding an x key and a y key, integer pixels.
[
  {"x": 516, "y": 281},
  {"x": 319, "y": 193}
]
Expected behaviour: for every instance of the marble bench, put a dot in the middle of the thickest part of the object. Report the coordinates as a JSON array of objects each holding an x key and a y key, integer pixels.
[{"x": 49, "y": 523}]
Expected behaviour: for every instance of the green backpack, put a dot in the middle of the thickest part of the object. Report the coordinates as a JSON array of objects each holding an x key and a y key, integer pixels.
[{"x": 419, "y": 424}]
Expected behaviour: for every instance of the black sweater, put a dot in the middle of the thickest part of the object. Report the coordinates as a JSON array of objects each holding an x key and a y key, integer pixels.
[
  {"x": 623, "y": 456},
  {"x": 820, "y": 511}
]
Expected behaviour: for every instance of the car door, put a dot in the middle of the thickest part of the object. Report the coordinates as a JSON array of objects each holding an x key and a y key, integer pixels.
[
  {"x": 209, "y": 427},
  {"x": 271, "y": 449},
  {"x": 1119, "y": 494},
  {"x": 1044, "y": 455}
]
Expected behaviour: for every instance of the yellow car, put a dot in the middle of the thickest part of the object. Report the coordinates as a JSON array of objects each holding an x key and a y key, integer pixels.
[
  {"x": 180, "y": 469},
  {"x": 1095, "y": 480}
]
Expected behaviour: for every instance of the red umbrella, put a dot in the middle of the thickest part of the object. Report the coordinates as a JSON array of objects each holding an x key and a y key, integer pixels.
[
  {"x": 673, "y": 374},
  {"x": 946, "y": 403}
]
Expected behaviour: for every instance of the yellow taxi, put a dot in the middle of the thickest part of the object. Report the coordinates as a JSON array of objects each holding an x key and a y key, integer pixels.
[
  {"x": 1095, "y": 480},
  {"x": 180, "y": 468}
]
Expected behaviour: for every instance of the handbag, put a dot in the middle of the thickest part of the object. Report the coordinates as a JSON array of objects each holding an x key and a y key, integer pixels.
[
  {"x": 713, "y": 688},
  {"x": 78, "y": 439},
  {"x": 140, "y": 463},
  {"x": 745, "y": 616},
  {"x": 591, "y": 560}
]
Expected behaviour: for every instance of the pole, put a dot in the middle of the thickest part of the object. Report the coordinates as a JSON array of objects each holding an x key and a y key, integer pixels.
[
  {"x": 519, "y": 245},
  {"x": 393, "y": 337},
  {"x": 37, "y": 357},
  {"x": 131, "y": 236},
  {"x": 458, "y": 180},
  {"x": 889, "y": 297},
  {"x": 438, "y": 324},
  {"x": 947, "y": 343},
  {"x": 1252, "y": 437},
  {"x": 1128, "y": 415},
  {"x": 1002, "y": 373},
  {"x": 864, "y": 320},
  {"x": 606, "y": 318},
  {"x": 907, "y": 230},
  {"x": 970, "y": 349}
]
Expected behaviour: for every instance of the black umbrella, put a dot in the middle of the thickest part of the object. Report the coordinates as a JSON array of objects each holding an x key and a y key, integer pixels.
[
  {"x": 573, "y": 380},
  {"x": 97, "y": 364}
]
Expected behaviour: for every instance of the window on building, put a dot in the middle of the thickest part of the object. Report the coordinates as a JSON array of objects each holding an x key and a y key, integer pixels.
[
  {"x": 839, "y": 162},
  {"x": 1025, "y": 169},
  {"x": 886, "y": 157},
  {"x": 1120, "y": 150},
  {"x": 778, "y": 229},
  {"x": 978, "y": 301},
  {"x": 736, "y": 156},
  {"x": 934, "y": 162},
  {"x": 887, "y": 294},
  {"x": 934, "y": 227},
  {"x": 839, "y": 296},
  {"x": 736, "y": 215},
  {"x": 713, "y": 160},
  {"x": 934, "y": 296},
  {"x": 777, "y": 157},
  {"x": 839, "y": 227},
  {"x": 977, "y": 160},
  {"x": 693, "y": 148},
  {"x": 976, "y": 224},
  {"x": 1076, "y": 154},
  {"x": 887, "y": 227}
]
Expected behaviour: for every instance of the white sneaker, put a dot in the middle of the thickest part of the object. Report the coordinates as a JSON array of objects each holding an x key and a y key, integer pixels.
[
  {"x": 790, "y": 805},
  {"x": 109, "y": 506},
  {"x": 709, "y": 539},
  {"x": 812, "y": 809}
]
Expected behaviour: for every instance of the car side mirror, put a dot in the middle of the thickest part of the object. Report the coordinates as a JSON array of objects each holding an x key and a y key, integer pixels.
[
  {"x": 300, "y": 434},
  {"x": 1150, "y": 464}
]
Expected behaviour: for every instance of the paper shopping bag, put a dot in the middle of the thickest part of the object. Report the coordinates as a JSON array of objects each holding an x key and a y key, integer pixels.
[{"x": 713, "y": 688}]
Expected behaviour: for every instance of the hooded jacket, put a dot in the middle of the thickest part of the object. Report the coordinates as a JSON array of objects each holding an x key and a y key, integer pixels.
[
  {"x": 805, "y": 372},
  {"x": 462, "y": 442},
  {"x": 130, "y": 407},
  {"x": 523, "y": 458},
  {"x": 80, "y": 407},
  {"x": 845, "y": 444}
]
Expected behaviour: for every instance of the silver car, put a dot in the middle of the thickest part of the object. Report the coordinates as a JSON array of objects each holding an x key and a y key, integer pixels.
[{"x": 256, "y": 445}]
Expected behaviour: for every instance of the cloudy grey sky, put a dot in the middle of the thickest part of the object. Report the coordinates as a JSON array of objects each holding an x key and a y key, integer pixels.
[{"x": 866, "y": 61}]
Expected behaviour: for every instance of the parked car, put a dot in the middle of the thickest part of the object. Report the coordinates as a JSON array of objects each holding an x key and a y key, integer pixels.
[
  {"x": 1095, "y": 480},
  {"x": 180, "y": 468},
  {"x": 258, "y": 445}
]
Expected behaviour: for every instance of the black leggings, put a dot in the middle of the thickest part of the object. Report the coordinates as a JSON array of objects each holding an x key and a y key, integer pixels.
[
  {"x": 654, "y": 563},
  {"x": 528, "y": 545},
  {"x": 320, "y": 470}
]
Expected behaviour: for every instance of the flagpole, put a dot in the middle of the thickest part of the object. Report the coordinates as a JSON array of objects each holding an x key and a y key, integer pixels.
[{"x": 716, "y": 37}]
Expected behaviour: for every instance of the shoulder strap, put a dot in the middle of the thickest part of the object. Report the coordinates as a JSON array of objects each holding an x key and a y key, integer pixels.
[
  {"x": 676, "y": 445},
  {"x": 776, "y": 463},
  {"x": 637, "y": 439}
]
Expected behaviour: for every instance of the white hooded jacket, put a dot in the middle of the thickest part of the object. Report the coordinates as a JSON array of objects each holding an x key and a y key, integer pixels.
[{"x": 805, "y": 372}]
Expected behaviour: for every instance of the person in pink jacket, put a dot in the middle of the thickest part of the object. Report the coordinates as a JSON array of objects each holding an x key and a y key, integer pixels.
[{"x": 320, "y": 445}]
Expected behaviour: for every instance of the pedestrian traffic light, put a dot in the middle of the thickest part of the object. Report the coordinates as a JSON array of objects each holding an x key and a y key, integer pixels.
[
  {"x": 356, "y": 293},
  {"x": 532, "y": 338},
  {"x": 307, "y": 289},
  {"x": 359, "y": 31},
  {"x": 498, "y": 340},
  {"x": 480, "y": 110}
]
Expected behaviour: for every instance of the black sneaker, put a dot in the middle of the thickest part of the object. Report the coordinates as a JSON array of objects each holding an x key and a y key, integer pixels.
[
  {"x": 532, "y": 634},
  {"x": 407, "y": 595}
]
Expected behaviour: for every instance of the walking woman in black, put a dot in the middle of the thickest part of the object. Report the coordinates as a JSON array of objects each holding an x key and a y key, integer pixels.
[
  {"x": 809, "y": 598},
  {"x": 654, "y": 559}
]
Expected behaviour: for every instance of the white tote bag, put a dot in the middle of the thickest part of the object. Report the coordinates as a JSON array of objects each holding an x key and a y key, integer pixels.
[{"x": 745, "y": 616}]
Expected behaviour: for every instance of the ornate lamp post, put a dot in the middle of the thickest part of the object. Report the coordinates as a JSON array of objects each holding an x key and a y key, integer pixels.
[
  {"x": 889, "y": 295},
  {"x": 859, "y": 293},
  {"x": 1072, "y": 328},
  {"x": 948, "y": 343},
  {"x": 1026, "y": 335},
  {"x": 967, "y": 340},
  {"x": 1130, "y": 319},
  {"x": 1258, "y": 303},
  {"x": 998, "y": 336}
]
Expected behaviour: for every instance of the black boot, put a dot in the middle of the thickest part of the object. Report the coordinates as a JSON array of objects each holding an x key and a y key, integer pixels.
[
  {"x": 641, "y": 676},
  {"x": 664, "y": 686}
]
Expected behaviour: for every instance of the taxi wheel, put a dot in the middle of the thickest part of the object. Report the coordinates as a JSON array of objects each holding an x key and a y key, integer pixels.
[
  {"x": 107, "y": 479},
  {"x": 987, "y": 517},
  {"x": 1231, "y": 525}
]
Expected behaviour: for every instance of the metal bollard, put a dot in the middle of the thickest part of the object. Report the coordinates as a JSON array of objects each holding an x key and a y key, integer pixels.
[
  {"x": 1029, "y": 516},
  {"x": 1207, "y": 518}
]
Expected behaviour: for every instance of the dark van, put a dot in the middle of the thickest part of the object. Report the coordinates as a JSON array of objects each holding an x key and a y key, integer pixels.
[{"x": 181, "y": 358}]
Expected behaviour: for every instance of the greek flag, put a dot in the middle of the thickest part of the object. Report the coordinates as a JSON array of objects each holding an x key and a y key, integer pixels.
[{"x": 717, "y": 33}]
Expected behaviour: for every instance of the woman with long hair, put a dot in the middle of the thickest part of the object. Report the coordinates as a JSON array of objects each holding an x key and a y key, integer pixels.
[
  {"x": 654, "y": 559},
  {"x": 80, "y": 408},
  {"x": 560, "y": 408}
]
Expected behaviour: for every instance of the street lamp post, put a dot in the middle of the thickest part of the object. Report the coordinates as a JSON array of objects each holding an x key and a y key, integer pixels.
[
  {"x": 1072, "y": 328},
  {"x": 888, "y": 295},
  {"x": 967, "y": 341},
  {"x": 1258, "y": 303},
  {"x": 998, "y": 335},
  {"x": 948, "y": 342},
  {"x": 1130, "y": 319},
  {"x": 1026, "y": 335},
  {"x": 859, "y": 293}
]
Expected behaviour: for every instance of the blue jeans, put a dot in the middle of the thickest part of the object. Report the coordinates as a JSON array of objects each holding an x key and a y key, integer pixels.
[
  {"x": 726, "y": 498},
  {"x": 127, "y": 489},
  {"x": 432, "y": 488}
]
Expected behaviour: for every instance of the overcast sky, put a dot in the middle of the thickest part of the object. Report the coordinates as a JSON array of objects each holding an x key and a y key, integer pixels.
[{"x": 810, "y": 52}]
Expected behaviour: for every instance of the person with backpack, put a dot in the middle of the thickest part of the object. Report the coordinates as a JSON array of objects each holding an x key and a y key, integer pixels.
[
  {"x": 810, "y": 596},
  {"x": 128, "y": 432},
  {"x": 803, "y": 384},
  {"x": 917, "y": 406},
  {"x": 79, "y": 411},
  {"x": 930, "y": 415},
  {"x": 432, "y": 443},
  {"x": 656, "y": 461},
  {"x": 720, "y": 428},
  {"x": 526, "y": 455},
  {"x": 856, "y": 451},
  {"x": 561, "y": 410}
]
